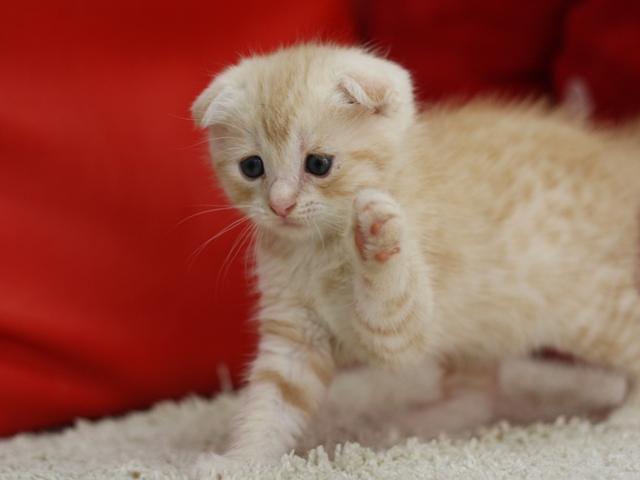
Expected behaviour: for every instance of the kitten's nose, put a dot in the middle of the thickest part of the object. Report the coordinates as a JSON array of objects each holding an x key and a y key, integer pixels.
[
  {"x": 282, "y": 209},
  {"x": 282, "y": 198}
]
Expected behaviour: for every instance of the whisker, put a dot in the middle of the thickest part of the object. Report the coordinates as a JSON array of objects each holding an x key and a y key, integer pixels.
[
  {"x": 232, "y": 225},
  {"x": 246, "y": 240},
  {"x": 213, "y": 209},
  {"x": 258, "y": 243},
  {"x": 226, "y": 140},
  {"x": 221, "y": 206},
  {"x": 179, "y": 117},
  {"x": 243, "y": 130},
  {"x": 192, "y": 258},
  {"x": 194, "y": 145},
  {"x": 206, "y": 140},
  {"x": 223, "y": 138},
  {"x": 315, "y": 224},
  {"x": 198, "y": 251},
  {"x": 237, "y": 247},
  {"x": 333, "y": 226}
]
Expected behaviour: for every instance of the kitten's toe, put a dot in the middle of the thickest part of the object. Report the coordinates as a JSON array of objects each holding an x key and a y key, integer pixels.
[
  {"x": 211, "y": 466},
  {"x": 378, "y": 228}
]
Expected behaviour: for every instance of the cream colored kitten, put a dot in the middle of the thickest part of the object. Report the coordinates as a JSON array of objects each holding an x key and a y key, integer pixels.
[{"x": 463, "y": 234}]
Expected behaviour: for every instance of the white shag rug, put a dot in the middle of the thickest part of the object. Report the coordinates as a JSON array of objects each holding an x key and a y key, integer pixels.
[{"x": 164, "y": 442}]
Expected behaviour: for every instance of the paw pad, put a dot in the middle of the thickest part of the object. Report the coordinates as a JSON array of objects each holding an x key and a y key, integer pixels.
[{"x": 377, "y": 226}]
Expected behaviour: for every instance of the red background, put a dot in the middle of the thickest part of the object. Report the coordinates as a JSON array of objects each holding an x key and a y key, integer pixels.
[{"x": 104, "y": 306}]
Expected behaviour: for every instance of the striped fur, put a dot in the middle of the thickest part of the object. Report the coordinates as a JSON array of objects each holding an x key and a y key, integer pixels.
[{"x": 465, "y": 234}]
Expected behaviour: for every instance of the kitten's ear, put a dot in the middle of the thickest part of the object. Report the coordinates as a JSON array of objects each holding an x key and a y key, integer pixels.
[
  {"x": 367, "y": 90},
  {"x": 213, "y": 104}
]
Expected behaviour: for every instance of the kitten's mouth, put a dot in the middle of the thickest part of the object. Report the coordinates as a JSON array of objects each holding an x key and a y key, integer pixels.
[
  {"x": 290, "y": 223},
  {"x": 287, "y": 225}
]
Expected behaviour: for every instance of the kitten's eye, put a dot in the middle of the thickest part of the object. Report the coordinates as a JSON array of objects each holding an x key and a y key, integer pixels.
[
  {"x": 318, "y": 165},
  {"x": 252, "y": 167}
]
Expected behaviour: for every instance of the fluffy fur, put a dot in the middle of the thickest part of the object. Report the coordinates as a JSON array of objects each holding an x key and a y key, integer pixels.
[{"x": 464, "y": 234}]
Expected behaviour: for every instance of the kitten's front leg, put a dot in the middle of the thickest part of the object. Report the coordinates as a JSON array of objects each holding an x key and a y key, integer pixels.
[
  {"x": 392, "y": 285},
  {"x": 287, "y": 382}
]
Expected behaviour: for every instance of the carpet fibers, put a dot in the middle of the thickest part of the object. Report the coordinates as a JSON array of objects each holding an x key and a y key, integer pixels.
[{"x": 162, "y": 443}]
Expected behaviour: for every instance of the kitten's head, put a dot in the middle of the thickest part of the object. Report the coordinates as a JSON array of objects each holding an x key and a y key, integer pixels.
[{"x": 296, "y": 134}]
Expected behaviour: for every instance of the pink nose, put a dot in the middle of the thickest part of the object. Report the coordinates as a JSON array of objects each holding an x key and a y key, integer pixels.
[{"x": 282, "y": 209}]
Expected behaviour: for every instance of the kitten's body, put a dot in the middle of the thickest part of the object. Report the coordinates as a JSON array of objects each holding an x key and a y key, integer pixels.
[
  {"x": 530, "y": 227},
  {"x": 466, "y": 233},
  {"x": 514, "y": 207}
]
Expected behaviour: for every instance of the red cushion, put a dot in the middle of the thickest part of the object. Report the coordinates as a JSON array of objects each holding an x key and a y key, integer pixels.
[
  {"x": 462, "y": 47},
  {"x": 602, "y": 48},
  {"x": 458, "y": 48},
  {"x": 105, "y": 303}
]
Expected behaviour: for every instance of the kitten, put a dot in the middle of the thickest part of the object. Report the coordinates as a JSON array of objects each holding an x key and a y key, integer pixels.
[{"x": 464, "y": 234}]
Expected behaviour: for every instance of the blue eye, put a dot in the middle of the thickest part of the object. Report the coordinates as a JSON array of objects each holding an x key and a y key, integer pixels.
[
  {"x": 252, "y": 166},
  {"x": 318, "y": 165}
]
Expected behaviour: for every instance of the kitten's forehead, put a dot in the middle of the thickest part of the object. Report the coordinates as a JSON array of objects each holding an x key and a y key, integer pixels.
[{"x": 288, "y": 92}]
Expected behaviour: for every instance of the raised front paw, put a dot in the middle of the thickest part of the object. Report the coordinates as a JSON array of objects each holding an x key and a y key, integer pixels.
[
  {"x": 377, "y": 225},
  {"x": 211, "y": 466}
]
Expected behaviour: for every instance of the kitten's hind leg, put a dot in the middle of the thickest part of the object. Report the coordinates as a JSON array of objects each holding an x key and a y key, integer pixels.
[
  {"x": 628, "y": 415},
  {"x": 617, "y": 345},
  {"x": 393, "y": 294}
]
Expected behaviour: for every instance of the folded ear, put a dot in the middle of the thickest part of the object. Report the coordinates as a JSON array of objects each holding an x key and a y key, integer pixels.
[
  {"x": 213, "y": 103},
  {"x": 367, "y": 90}
]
